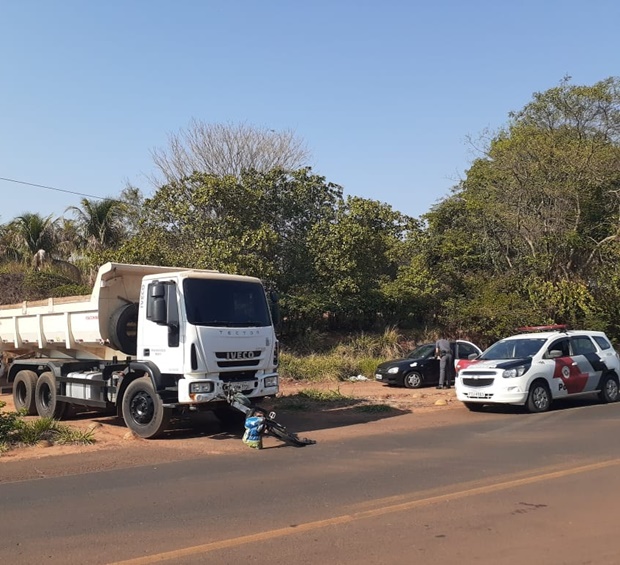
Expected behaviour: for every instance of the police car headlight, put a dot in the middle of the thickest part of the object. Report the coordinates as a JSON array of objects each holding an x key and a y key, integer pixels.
[
  {"x": 200, "y": 387},
  {"x": 392, "y": 370},
  {"x": 512, "y": 373}
]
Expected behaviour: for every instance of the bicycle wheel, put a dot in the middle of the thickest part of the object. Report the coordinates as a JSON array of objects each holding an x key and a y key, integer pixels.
[{"x": 282, "y": 433}]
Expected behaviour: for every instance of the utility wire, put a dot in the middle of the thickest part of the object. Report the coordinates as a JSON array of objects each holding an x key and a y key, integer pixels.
[{"x": 53, "y": 188}]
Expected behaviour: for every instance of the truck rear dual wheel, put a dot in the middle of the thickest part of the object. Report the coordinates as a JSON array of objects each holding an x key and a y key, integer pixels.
[
  {"x": 45, "y": 397},
  {"x": 143, "y": 409},
  {"x": 24, "y": 392}
]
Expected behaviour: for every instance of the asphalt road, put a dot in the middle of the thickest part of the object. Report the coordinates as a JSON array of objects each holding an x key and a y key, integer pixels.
[{"x": 489, "y": 488}]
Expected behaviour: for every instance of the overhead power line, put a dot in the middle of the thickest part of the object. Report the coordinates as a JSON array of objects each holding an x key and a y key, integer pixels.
[{"x": 53, "y": 188}]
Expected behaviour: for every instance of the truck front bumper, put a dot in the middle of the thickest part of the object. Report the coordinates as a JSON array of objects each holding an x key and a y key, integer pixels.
[{"x": 198, "y": 391}]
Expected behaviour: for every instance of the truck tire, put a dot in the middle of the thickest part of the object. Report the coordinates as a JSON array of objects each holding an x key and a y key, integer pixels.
[
  {"x": 143, "y": 410},
  {"x": 45, "y": 398},
  {"x": 24, "y": 392},
  {"x": 123, "y": 329}
]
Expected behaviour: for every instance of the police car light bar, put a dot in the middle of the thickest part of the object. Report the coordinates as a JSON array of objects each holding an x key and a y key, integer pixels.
[{"x": 543, "y": 328}]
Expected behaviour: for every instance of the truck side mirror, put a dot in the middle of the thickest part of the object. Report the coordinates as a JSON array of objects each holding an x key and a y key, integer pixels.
[
  {"x": 158, "y": 311},
  {"x": 162, "y": 308}
]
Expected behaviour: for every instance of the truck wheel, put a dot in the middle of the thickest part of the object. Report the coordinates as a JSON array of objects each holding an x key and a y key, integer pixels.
[
  {"x": 123, "y": 329},
  {"x": 45, "y": 398},
  {"x": 143, "y": 410},
  {"x": 24, "y": 392}
]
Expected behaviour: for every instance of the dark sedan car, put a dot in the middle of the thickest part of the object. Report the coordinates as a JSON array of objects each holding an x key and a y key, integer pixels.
[{"x": 421, "y": 367}]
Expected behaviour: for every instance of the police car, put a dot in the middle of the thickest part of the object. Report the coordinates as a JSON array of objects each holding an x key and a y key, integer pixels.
[{"x": 534, "y": 368}]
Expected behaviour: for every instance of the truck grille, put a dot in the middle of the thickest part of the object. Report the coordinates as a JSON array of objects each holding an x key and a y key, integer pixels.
[
  {"x": 227, "y": 359},
  {"x": 237, "y": 376}
]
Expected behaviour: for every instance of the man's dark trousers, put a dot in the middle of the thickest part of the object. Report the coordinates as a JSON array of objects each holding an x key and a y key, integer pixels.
[{"x": 446, "y": 368}]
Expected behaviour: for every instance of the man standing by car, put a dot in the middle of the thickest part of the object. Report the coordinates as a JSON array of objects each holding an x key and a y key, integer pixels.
[{"x": 446, "y": 362}]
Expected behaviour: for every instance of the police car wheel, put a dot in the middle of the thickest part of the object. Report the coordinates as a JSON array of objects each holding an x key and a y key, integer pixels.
[
  {"x": 539, "y": 399},
  {"x": 609, "y": 389}
]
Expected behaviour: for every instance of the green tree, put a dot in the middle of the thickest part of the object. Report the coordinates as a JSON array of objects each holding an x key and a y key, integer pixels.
[
  {"x": 31, "y": 234},
  {"x": 256, "y": 224},
  {"x": 354, "y": 255},
  {"x": 98, "y": 223},
  {"x": 548, "y": 188},
  {"x": 528, "y": 237}
]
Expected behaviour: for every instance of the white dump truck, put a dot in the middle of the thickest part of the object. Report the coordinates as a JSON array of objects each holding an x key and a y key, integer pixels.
[{"x": 150, "y": 342}]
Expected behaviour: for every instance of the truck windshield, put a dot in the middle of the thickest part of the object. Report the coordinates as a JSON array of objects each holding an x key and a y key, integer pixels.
[{"x": 225, "y": 303}]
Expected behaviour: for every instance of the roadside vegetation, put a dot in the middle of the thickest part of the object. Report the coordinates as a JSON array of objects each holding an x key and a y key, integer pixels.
[
  {"x": 15, "y": 431},
  {"x": 335, "y": 358}
]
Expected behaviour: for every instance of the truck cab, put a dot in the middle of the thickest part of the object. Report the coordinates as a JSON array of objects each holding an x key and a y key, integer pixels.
[{"x": 208, "y": 329}]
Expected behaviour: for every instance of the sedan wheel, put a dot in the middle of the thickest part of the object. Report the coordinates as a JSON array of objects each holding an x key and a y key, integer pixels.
[{"x": 413, "y": 380}]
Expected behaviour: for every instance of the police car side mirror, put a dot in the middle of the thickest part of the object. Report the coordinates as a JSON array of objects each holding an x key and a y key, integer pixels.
[
  {"x": 472, "y": 356},
  {"x": 554, "y": 354}
]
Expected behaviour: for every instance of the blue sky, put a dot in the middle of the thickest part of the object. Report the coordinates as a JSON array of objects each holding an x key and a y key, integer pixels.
[{"x": 384, "y": 93}]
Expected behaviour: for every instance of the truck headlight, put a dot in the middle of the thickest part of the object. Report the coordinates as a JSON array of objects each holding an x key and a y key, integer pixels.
[
  {"x": 392, "y": 370},
  {"x": 270, "y": 382},
  {"x": 200, "y": 387},
  {"x": 516, "y": 372}
]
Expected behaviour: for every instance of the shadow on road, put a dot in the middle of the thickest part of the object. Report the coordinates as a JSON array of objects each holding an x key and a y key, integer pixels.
[
  {"x": 300, "y": 418},
  {"x": 557, "y": 405}
]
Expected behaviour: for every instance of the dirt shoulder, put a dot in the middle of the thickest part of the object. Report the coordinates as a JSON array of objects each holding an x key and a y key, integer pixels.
[{"x": 367, "y": 407}]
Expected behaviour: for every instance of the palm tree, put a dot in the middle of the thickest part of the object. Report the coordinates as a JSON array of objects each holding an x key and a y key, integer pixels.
[
  {"x": 99, "y": 223},
  {"x": 32, "y": 235}
]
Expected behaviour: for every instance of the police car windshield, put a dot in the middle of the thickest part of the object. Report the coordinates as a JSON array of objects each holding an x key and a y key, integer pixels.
[
  {"x": 514, "y": 348},
  {"x": 225, "y": 303}
]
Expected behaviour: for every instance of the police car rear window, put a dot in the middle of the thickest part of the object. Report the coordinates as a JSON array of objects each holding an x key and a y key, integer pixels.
[{"x": 601, "y": 342}]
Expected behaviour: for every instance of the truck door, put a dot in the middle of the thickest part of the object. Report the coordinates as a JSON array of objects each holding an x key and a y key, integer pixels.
[{"x": 160, "y": 327}]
